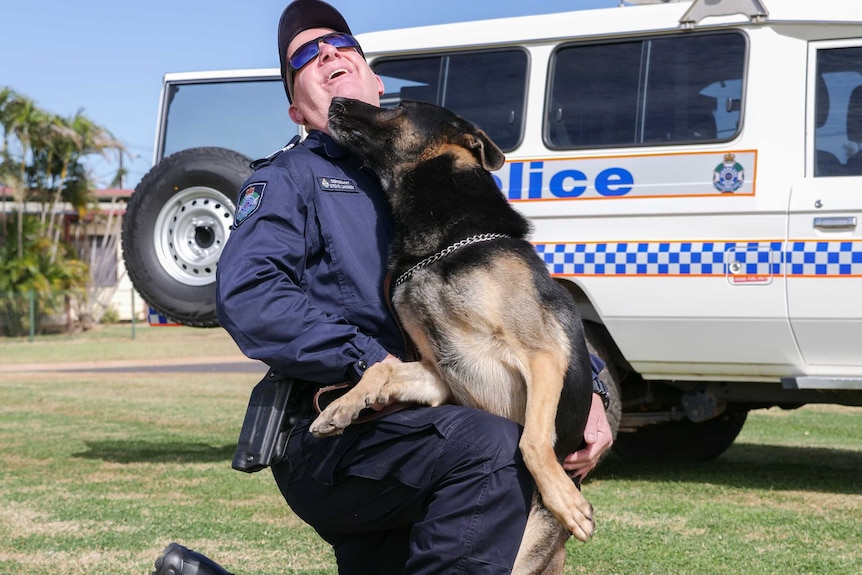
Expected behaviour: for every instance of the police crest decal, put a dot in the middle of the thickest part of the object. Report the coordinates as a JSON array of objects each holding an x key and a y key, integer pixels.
[{"x": 728, "y": 175}]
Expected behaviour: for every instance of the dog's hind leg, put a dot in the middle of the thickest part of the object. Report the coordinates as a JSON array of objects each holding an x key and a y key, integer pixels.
[
  {"x": 381, "y": 384},
  {"x": 543, "y": 548}
]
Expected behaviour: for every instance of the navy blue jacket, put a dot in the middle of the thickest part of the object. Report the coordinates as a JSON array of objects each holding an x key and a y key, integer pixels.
[{"x": 300, "y": 279}]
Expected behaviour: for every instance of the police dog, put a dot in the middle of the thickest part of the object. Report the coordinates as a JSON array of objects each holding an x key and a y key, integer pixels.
[{"x": 493, "y": 329}]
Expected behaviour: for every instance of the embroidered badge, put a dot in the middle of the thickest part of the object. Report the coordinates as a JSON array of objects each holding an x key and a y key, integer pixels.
[
  {"x": 728, "y": 175},
  {"x": 249, "y": 201},
  {"x": 336, "y": 184}
]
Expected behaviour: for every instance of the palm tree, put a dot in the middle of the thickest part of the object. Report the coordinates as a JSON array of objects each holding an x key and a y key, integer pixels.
[
  {"x": 61, "y": 150},
  {"x": 24, "y": 121},
  {"x": 7, "y": 95}
]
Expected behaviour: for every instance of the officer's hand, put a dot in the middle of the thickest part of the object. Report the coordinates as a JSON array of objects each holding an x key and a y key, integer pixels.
[{"x": 598, "y": 438}]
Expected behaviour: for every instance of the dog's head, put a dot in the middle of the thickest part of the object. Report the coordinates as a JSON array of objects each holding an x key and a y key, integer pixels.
[{"x": 392, "y": 141}]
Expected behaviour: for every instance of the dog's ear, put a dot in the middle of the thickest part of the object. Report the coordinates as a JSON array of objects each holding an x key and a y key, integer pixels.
[{"x": 490, "y": 156}]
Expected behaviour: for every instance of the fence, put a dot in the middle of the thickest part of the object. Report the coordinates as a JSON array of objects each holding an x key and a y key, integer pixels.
[{"x": 34, "y": 313}]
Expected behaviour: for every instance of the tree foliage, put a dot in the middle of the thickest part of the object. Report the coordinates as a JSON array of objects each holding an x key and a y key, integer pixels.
[{"x": 44, "y": 179}]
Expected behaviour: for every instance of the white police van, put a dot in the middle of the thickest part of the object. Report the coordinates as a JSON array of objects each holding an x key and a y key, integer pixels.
[{"x": 693, "y": 172}]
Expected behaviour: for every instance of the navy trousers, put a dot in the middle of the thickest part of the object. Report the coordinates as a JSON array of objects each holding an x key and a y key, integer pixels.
[{"x": 421, "y": 491}]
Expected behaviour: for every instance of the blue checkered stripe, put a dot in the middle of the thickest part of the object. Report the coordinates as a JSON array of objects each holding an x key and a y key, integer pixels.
[
  {"x": 804, "y": 258},
  {"x": 835, "y": 258}
]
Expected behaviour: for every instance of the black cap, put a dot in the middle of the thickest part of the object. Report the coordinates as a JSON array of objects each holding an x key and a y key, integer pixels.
[{"x": 302, "y": 15}]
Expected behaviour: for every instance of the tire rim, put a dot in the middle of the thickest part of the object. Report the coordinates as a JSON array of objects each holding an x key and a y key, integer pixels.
[{"x": 190, "y": 232}]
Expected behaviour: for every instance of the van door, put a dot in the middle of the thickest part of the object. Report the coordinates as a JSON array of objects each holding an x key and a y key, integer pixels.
[{"x": 823, "y": 259}]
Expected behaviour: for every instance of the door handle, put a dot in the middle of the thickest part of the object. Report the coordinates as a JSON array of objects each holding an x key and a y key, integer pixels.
[{"x": 848, "y": 222}]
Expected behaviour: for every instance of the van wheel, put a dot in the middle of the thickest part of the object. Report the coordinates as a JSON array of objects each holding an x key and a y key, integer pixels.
[
  {"x": 681, "y": 441},
  {"x": 599, "y": 343},
  {"x": 175, "y": 227}
]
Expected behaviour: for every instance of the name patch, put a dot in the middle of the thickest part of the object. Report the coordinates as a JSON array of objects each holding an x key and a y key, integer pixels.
[{"x": 336, "y": 184}]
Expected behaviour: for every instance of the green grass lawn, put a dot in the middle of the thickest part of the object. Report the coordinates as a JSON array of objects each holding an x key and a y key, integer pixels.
[
  {"x": 99, "y": 471},
  {"x": 121, "y": 341}
]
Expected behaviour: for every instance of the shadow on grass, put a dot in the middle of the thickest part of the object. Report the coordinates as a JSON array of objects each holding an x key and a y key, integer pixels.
[
  {"x": 148, "y": 452},
  {"x": 754, "y": 466},
  {"x": 743, "y": 465}
]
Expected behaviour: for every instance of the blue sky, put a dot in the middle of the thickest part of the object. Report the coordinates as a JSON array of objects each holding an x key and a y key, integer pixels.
[{"x": 108, "y": 57}]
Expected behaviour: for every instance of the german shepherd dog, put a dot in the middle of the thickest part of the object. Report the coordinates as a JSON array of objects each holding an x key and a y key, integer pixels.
[{"x": 492, "y": 328}]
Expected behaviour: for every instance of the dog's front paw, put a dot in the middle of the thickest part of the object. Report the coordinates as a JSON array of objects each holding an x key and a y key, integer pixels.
[
  {"x": 325, "y": 428},
  {"x": 574, "y": 512},
  {"x": 329, "y": 424},
  {"x": 337, "y": 416},
  {"x": 581, "y": 522},
  {"x": 373, "y": 390}
]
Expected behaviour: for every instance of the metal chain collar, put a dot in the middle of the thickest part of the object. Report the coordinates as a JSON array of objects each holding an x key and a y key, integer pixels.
[{"x": 445, "y": 252}]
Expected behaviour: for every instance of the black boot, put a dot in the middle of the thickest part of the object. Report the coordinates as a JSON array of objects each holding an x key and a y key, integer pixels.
[{"x": 179, "y": 560}]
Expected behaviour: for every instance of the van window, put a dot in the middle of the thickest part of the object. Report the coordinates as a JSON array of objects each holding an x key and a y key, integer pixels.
[
  {"x": 653, "y": 91},
  {"x": 486, "y": 87},
  {"x": 838, "y": 111},
  {"x": 247, "y": 116}
]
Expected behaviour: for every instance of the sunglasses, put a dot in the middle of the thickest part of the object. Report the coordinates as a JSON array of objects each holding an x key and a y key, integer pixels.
[{"x": 311, "y": 50}]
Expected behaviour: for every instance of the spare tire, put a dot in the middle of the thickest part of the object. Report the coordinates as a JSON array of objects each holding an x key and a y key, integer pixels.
[{"x": 176, "y": 224}]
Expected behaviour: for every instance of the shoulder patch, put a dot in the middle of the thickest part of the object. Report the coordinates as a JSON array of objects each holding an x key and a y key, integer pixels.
[
  {"x": 249, "y": 201},
  {"x": 336, "y": 184}
]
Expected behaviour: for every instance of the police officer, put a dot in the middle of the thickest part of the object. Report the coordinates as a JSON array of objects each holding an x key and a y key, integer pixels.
[{"x": 421, "y": 490}]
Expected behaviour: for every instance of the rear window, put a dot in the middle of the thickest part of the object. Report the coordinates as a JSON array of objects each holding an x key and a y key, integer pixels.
[
  {"x": 653, "y": 91},
  {"x": 248, "y": 116},
  {"x": 487, "y": 87}
]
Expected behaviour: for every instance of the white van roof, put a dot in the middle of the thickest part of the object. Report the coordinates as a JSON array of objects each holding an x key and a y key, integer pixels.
[
  {"x": 604, "y": 22},
  {"x": 657, "y": 16}
]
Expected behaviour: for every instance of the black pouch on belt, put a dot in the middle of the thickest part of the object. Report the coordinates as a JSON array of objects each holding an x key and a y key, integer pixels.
[{"x": 274, "y": 407}]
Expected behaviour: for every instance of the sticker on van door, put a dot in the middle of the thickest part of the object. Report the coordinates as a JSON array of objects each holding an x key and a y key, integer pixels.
[{"x": 729, "y": 175}]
